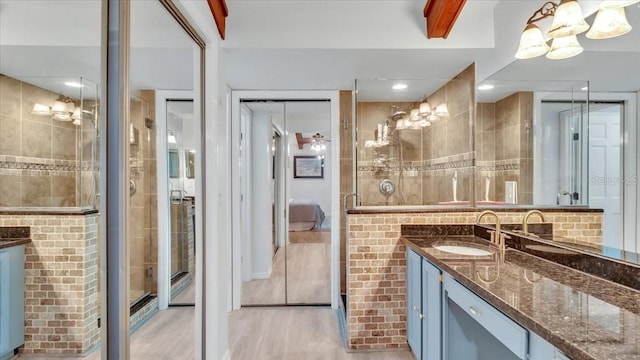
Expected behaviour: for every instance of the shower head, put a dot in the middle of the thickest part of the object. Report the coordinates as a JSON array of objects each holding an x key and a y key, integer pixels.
[{"x": 397, "y": 114}]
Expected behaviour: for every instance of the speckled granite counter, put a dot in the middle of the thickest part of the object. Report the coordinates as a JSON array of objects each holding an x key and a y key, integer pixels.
[
  {"x": 584, "y": 316},
  {"x": 14, "y": 236}
]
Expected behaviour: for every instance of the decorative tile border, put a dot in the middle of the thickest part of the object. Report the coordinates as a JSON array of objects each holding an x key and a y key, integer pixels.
[{"x": 42, "y": 164}]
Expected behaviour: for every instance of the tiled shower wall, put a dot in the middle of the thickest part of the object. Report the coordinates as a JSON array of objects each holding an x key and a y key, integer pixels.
[
  {"x": 504, "y": 147},
  {"x": 421, "y": 163},
  {"x": 143, "y": 233},
  {"x": 61, "y": 283},
  {"x": 376, "y": 270},
  {"x": 38, "y": 163}
]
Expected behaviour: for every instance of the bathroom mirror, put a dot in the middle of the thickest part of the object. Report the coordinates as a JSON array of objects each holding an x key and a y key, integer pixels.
[
  {"x": 414, "y": 141},
  {"x": 174, "y": 164},
  {"x": 189, "y": 163}
]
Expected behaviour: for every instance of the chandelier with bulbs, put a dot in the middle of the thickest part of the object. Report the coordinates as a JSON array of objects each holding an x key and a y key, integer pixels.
[{"x": 567, "y": 22}]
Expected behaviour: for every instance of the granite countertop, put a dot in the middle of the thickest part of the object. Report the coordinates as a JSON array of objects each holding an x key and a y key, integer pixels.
[
  {"x": 453, "y": 208},
  {"x": 14, "y": 236},
  {"x": 47, "y": 211},
  {"x": 584, "y": 316}
]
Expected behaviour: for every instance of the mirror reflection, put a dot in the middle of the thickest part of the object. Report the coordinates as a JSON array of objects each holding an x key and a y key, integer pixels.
[{"x": 289, "y": 194}]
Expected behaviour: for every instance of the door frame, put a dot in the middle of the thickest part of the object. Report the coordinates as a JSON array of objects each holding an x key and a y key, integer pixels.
[
  {"x": 630, "y": 134},
  {"x": 237, "y": 205},
  {"x": 164, "y": 206}
]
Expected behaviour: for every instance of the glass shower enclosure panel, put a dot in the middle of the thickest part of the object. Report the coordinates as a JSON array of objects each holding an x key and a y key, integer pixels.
[{"x": 142, "y": 191}]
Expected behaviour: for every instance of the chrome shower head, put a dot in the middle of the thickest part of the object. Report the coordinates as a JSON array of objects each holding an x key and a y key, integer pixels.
[{"x": 397, "y": 114}]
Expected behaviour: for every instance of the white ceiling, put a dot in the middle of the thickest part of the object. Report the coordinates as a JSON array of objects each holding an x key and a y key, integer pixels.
[{"x": 312, "y": 44}]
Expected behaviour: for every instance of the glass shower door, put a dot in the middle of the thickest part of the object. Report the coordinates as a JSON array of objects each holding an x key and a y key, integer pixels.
[{"x": 181, "y": 165}]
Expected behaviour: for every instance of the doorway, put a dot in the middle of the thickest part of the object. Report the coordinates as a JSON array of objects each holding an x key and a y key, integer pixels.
[{"x": 283, "y": 244}]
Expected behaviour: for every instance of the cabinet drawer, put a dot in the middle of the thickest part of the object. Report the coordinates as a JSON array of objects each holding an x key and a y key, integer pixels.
[{"x": 508, "y": 332}]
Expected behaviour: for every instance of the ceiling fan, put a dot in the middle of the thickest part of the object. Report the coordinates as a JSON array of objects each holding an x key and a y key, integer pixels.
[{"x": 317, "y": 141}]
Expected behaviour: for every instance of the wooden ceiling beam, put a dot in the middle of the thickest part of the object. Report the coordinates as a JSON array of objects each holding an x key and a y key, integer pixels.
[
  {"x": 220, "y": 12},
  {"x": 302, "y": 140},
  {"x": 441, "y": 15}
]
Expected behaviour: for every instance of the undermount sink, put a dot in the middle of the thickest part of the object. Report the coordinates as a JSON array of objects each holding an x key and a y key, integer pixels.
[{"x": 462, "y": 250}]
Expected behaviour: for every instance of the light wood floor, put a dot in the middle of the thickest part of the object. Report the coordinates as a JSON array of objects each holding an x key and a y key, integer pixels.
[
  {"x": 187, "y": 295},
  {"x": 308, "y": 279},
  {"x": 293, "y": 334},
  {"x": 169, "y": 335}
]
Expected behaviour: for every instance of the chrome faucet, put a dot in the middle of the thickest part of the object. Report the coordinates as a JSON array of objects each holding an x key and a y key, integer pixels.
[
  {"x": 526, "y": 217},
  {"x": 563, "y": 193},
  {"x": 496, "y": 237}
]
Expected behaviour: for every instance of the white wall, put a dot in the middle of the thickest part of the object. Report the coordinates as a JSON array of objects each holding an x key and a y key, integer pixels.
[
  {"x": 213, "y": 276},
  {"x": 262, "y": 195},
  {"x": 314, "y": 189}
]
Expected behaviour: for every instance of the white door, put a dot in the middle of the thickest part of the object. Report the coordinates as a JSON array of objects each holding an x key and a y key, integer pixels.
[{"x": 605, "y": 175}]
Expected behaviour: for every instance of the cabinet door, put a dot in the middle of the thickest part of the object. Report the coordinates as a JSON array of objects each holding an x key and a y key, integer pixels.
[
  {"x": 414, "y": 306},
  {"x": 4, "y": 301},
  {"x": 431, "y": 305},
  {"x": 16, "y": 296},
  {"x": 540, "y": 349}
]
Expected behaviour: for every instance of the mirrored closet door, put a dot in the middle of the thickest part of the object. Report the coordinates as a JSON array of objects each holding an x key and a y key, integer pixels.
[{"x": 287, "y": 187}]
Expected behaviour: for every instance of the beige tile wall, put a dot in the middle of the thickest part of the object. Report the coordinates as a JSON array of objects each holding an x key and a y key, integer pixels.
[
  {"x": 504, "y": 146},
  {"x": 376, "y": 270},
  {"x": 40, "y": 153},
  {"x": 61, "y": 283}
]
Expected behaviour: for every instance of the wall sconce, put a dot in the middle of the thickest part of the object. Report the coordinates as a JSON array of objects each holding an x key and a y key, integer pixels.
[
  {"x": 422, "y": 117},
  {"x": 63, "y": 109},
  {"x": 567, "y": 23}
]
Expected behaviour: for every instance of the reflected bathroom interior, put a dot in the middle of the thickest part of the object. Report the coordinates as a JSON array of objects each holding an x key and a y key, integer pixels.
[
  {"x": 50, "y": 130},
  {"x": 413, "y": 145}
]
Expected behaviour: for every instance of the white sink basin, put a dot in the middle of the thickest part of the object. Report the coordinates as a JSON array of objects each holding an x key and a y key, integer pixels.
[{"x": 462, "y": 250}]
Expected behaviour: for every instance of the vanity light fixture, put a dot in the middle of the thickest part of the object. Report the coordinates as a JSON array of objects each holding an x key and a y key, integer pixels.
[
  {"x": 422, "y": 116},
  {"x": 568, "y": 22},
  {"x": 63, "y": 109}
]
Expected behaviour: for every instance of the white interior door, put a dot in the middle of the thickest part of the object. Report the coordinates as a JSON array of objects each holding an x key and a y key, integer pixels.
[{"x": 605, "y": 175}]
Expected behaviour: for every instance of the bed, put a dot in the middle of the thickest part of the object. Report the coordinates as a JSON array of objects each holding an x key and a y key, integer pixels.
[{"x": 304, "y": 215}]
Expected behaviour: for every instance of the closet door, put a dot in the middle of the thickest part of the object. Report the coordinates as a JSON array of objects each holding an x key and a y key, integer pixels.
[
  {"x": 308, "y": 260},
  {"x": 263, "y": 246}
]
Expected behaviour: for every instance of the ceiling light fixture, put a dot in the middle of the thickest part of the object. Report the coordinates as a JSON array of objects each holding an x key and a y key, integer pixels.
[
  {"x": 485, "y": 87},
  {"x": 73, "y": 84},
  {"x": 317, "y": 142},
  {"x": 567, "y": 23},
  {"x": 399, "y": 86},
  {"x": 171, "y": 138}
]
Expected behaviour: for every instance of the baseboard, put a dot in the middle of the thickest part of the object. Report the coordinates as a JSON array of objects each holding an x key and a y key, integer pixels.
[{"x": 262, "y": 275}]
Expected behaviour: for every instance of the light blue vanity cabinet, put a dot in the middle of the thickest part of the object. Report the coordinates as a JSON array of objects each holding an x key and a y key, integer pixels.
[
  {"x": 473, "y": 329},
  {"x": 539, "y": 349},
  {"x": 11, "y": 300},
  {"x": 424, "y": 297}
]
